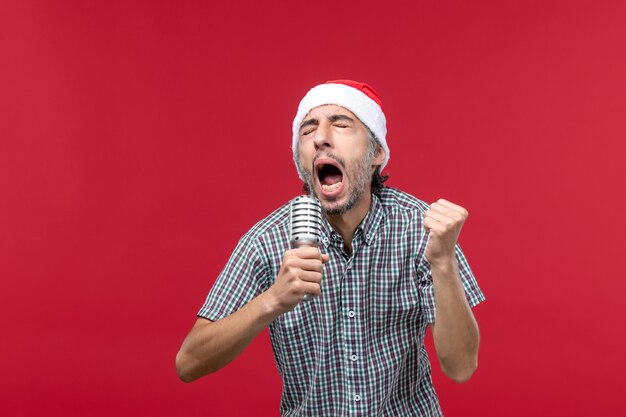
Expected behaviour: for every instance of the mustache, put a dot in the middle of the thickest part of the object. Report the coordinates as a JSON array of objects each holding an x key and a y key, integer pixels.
[{"x": 328, "y": 154}]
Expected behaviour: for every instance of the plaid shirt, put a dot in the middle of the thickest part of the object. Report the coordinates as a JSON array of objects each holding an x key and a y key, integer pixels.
[{"x": 358, "y": 349}]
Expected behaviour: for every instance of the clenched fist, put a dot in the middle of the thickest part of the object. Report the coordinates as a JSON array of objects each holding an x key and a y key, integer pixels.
[
  {"x": 443, "y": 220},
  {"x": 300, "y": 273}
]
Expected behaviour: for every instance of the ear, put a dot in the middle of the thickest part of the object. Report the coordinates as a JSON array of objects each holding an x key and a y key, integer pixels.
[{"x": 379, "y": 158}]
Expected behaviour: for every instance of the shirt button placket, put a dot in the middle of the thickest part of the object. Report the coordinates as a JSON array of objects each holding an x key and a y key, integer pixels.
[{"x": 351, "y": 343}]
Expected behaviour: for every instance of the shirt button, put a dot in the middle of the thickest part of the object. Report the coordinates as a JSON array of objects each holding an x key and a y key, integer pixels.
[
  {"x": 351, "y": 313},
  {"x": 353, "y": 358},
  {"x": 357, "y": 397}
]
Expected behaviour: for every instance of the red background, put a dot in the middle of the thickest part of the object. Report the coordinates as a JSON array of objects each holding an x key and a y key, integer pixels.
[{"x": 140, "y": 139}]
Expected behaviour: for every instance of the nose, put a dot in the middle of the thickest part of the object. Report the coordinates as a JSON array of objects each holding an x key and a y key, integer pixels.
[{"x": 323, "y": 136}]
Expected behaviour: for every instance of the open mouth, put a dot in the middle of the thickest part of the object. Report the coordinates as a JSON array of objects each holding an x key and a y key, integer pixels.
[{"x": 329, "y": 174}]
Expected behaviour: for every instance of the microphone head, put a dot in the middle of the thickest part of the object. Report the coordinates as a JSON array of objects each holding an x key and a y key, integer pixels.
[{"x": 305, "y": 222}]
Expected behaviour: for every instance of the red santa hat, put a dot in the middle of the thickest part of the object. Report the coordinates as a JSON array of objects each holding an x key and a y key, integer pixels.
[{"x": 359, "y": 98}]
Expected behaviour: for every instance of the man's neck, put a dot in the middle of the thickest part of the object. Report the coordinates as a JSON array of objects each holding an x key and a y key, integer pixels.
[{"x": 346, "y": 224}]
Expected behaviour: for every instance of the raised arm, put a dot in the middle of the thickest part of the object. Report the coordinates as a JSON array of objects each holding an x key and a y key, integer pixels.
[{"x": 455, "y": 331}]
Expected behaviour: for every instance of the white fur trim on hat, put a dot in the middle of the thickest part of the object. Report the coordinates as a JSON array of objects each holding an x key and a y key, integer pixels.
[{"x": 363, "y": 107}]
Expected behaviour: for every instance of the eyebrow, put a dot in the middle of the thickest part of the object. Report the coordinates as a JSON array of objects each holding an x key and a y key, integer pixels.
[
  {"x": 336, "y": 117},
  {"x": 309, "y": 122},
  {"x": 332, "y": 118}
]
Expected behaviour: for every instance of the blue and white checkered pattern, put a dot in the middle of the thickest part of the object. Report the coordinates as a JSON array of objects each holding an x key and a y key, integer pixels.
[{"x": 358, "y": 349}]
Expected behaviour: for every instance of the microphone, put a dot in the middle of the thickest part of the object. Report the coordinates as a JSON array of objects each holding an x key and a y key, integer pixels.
[{"x": 305, "y": 225}]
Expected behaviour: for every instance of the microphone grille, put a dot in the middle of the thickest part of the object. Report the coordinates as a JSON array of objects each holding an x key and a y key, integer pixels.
[{"x": 305, "y": 222}]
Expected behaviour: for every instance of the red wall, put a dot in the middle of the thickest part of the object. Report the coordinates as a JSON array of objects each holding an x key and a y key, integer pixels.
[{"x": 140, "y": 139}]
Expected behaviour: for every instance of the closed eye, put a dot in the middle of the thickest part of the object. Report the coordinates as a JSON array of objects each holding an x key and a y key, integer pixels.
[
  {"x": 308, "y": 126},
  {"x": 341, "y": 121}
]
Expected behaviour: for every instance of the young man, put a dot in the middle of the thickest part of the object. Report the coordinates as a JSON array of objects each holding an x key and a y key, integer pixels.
[{"x": 389, "y": 266}]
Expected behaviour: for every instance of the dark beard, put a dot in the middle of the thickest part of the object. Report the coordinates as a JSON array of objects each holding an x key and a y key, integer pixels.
[
  {"x": 361, "y": 183},
  {"x": 355, "y": 196}
]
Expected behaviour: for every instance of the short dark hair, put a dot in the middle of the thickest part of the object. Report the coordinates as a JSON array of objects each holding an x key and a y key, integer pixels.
[{"x": 378, "y": 181}]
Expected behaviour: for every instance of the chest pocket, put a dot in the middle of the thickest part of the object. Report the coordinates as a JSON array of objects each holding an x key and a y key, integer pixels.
[{"x": 394, "y": 303}]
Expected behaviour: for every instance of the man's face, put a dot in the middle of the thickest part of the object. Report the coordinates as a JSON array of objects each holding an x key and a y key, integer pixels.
[{"x": 334, "y": 158}]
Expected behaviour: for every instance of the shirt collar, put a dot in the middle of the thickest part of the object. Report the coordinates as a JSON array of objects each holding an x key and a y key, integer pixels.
[{"x": 368, "y": 226}]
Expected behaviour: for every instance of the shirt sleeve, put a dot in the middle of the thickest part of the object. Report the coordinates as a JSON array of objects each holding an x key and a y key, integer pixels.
[
  {"x": 243, "y": 278},
  {"x": 427, "y": 293}
]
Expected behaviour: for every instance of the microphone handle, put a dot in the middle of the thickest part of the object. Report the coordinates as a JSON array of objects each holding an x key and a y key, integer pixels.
[{"x": 299, "y": 244}]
